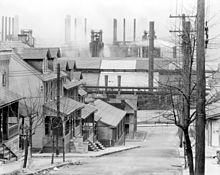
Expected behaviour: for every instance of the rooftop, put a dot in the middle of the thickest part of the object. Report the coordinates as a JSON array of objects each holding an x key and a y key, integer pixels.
[
  {"x": 7, "y": 96},
  {"x": 108, "y": 114},
  {"x": 87, "y": 110},
  {"x": 67, "y": 105}
]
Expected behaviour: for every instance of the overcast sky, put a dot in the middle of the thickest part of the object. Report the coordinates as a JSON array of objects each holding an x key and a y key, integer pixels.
[{"x": 46, "y": 17}]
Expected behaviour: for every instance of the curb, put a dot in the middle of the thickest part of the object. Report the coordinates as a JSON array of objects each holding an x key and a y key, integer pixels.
[{"x": 104, "y": 154}]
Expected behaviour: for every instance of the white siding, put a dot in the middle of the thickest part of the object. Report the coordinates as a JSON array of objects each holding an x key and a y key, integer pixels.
[
  {"x": 22, "y": 80},
  {"x": 134, "y": 79}
]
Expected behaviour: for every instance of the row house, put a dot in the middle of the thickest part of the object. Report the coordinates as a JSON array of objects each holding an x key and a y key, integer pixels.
[
  {"x": 9, "y": 114},
  {"x": 33, "y": 75}
]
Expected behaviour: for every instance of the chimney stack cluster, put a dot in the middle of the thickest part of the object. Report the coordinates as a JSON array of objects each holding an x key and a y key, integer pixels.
[
  {"x": 10, "y": 28},
  {"x": 76, "y": 26},
  {"x": 124, "y": 31}
]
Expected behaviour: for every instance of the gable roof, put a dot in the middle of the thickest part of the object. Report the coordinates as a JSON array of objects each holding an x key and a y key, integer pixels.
[
  {"x": 87, "y": 110},
  {"x": 108, "y": 114},
  {"x": 67, "y": 105},
  {"x": 70, "y": 84},
  {"x": 38, "y": 53},
  {"x": 7, "y": 96}
]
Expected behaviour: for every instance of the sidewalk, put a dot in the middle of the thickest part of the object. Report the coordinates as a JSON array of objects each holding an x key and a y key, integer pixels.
[
  {"x": 211, "y": 166},
  {"x": 41, "y": 162}
]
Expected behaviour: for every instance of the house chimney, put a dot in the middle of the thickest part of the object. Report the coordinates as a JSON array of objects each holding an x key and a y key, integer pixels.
[
  {"x": 174, "y": 52},
  {"x": 16, "y": 26},
  {"x": 114, "y": 31},
  {"x": 68, "y": 29},
  {"x": 124, "y": 31},
  {"x": 6, "y": 33},
  {"x": 119, "y": 83},
  {"x": 134, "y": 30},
  {"x": 106, "y": 82},
  {"x": 3, "y": 28}
]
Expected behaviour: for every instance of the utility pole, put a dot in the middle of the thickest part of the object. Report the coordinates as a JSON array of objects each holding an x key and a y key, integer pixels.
[
  {"x": 58, "y": 110},
  {"x": 200, "y": 105},
  {"x": 151, "y": 57}
]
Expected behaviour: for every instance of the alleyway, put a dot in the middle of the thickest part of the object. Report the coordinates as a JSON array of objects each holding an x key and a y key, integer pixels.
[{"x": 157, "y": 156}]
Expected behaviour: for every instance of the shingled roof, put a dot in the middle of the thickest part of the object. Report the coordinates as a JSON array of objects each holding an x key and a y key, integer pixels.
[
  {"x": 67, "y": 105},
  {"x": 87, "y": 110},
  {"x": 108, "y": 114},
  {"x": 7, "y": 96}
]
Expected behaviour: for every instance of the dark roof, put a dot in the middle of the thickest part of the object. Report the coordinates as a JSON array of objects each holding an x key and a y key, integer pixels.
[
  {"x": 52, "y": 75},
  {"x": 87, "y": 110},
  {"x": 70, "y": 84},
  {"x": 108, "y": 114},
  {"x": 67, "y": 105},
  {"x": 7, "y": 96},
  {"x": 38, "y": 53}
]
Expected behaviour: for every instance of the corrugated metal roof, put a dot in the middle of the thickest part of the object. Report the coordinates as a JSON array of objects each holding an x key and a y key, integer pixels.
[
  {"x": 87, "y": 110},
  {"x": 128, "y": 79},
  {"x": 108, "y": 114},
  {"x": 7, "y": 96},
  {"x": 118, "y": 64},
  {"x": 67, "y": 105}
]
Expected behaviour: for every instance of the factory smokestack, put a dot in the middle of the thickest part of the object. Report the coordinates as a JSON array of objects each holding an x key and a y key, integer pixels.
[
  {"x": 174, "y": 52},
  {"x": 68, "y": 29},
  {"x": 16, "y": 26},
  {"x": 6, "y": 33},
  {"x": 106, "y": 83},
  {"x": 124, "y": 31},
  {"x": 85, "y": 29},
  {"x": 119, "y": 83},
  {"x": 12, "y": 27},
  {"x": 75, "y": 29},
  {"x": 3, "y": 28},
  {"x": 9, "y": 28},
  {"x": 134, "y": 30},
  {"x": 114, "y": 31}
]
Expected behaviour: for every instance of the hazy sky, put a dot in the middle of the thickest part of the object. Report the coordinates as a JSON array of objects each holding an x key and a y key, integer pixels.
[{"x": 46, "y": 17}]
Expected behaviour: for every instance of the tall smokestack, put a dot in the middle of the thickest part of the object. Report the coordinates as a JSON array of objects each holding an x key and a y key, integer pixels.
[
  {"x": 85, "y": 29},
  {"x": 151, "y": 56},
  {"x": 3, "y": 28},
  {"x": 9, "y": 28},
  {"x": 6, "y": 33},
  {"x": 16, "y": 26},
  {"x": 124, "y": 31},
  {"x": 114, "y": 31},
  {"x": 13, "y": 28},
  {"x": 68, "y": 29},
  {"x": 75, "y": 29},
  {"x": 134, "y": 30}
]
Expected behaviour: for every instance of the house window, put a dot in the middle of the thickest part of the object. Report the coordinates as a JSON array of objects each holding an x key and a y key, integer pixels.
[
  {"x": 67, "y": 127},
  {"x": 4, "y": 79},
  {"x": 47, "y": 125}
]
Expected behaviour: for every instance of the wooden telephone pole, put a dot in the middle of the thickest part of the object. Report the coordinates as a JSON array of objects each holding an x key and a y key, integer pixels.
[
  {"x": 201, "y": 83},
  {"x": 151, "y": 57}
]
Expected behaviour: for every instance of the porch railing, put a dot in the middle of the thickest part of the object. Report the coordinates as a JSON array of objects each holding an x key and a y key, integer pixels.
[{"x": 12, "y": 131}]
